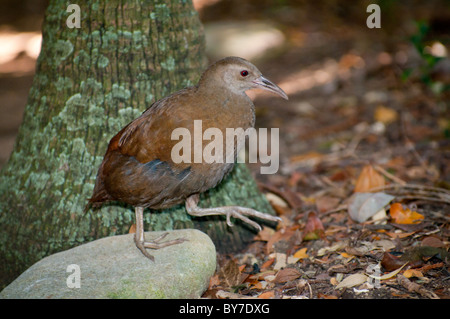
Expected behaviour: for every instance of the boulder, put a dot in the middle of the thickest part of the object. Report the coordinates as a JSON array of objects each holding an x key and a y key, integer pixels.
[{"x": 113, "y": 267}]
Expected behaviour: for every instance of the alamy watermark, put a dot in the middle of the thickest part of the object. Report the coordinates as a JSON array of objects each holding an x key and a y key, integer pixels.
[
  {"x": 74, "y": 279},
  {"x": 74, "y": 19},
  {"x": 373, "y": 20},
  {"x": 224, "y": 149},
  {"x": 374, "y": 272}
]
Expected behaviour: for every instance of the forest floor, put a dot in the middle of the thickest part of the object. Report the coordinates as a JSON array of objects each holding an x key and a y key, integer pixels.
[{"x": 367, "y": 112}]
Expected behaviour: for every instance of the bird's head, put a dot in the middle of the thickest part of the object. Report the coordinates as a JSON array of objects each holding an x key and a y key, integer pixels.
[{"x": 238, "y": 75}]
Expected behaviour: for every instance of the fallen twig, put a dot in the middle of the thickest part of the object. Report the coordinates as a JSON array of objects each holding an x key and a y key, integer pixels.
[
  {"x": 389, "y": 175},
  {"x": 415, "y": 191},
  {"x": 413, "y": 287}
]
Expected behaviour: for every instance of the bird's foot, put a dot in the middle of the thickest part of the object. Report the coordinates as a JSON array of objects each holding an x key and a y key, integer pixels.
[
  {"x": 139, "y": 238},
  {"x": 242, "y": 213},
  {"x": 156, "y": 244}
]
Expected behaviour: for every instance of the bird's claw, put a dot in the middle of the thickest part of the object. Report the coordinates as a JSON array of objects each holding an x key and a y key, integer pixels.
[
  {"x": 157, "y": 244},
  {"x": 241, "y": 212}
]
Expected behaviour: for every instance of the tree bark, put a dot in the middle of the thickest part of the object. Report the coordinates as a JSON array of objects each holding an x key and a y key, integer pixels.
[{"x": 89, "y": 83}]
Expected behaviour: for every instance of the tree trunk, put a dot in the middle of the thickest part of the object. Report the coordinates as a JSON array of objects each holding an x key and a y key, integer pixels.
[{"x": 89, "y": 83}]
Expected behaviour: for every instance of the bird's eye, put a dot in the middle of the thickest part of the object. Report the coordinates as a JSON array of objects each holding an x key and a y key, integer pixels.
[{"x": 244, "y": 72}]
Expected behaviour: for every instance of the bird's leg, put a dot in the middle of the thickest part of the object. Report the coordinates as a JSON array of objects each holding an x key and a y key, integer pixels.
[
  {"x": 154, "y": 244},
  {"x": 229, "y": 211}
]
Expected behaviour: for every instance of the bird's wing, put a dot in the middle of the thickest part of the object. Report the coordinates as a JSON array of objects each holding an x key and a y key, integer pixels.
[
  {"x": 128, "y": 131},
  {"x": 148, "y": 137}
]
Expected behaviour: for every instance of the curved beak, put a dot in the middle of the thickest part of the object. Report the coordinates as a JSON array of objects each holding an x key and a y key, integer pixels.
[{"x": 265, "y": 84}]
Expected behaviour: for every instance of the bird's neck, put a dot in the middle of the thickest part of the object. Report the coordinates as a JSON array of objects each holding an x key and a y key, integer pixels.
[
  {"x": 220, "y": 91},
  {"x": 235, "y": 109}
]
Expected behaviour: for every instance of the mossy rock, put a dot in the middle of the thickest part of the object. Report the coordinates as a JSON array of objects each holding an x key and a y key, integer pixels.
[{"x": 113, "y": 267}]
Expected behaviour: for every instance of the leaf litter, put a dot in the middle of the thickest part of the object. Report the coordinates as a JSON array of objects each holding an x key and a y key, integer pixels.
[
  {"x": 330, "y": 255},
  {"x": 359, "y": 233},
  {"x": 363, "y": 187}
]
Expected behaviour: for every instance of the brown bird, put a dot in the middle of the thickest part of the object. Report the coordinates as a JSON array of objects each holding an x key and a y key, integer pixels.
[{"x": 139, "y": 169}]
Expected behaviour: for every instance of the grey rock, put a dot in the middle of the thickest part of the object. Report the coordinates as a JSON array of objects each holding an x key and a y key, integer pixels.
[{"x": 113, "y": 267}]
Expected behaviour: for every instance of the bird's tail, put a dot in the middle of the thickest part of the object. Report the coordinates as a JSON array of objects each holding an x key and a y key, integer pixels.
[{"x": 99, "y": 197}]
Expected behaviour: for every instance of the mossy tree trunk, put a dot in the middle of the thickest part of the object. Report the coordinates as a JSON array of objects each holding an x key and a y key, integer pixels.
[{"x": 89, "y": 83}]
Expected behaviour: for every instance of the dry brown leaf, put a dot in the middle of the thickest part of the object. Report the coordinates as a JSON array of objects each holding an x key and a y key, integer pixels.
[
  {"x": 352, "y": 280},
  {"x": 340, "y": 176},
  {"x": 301, "y": 253},
  {"x": 326, "y": 203},
  {"x": 264, "y": 274},
  {"x": 389, "y": 275},
  {"x": 385, "y": 115},
  {"x": 401, "y": 215},
  {"x": 267, "y": 295},
  {"x": 346, "y": 255},
  {"x": 397, "y": 162},
  {"x": 281, "y": 211},
  {"x": 414, "y": 257},
  {"x": 411, "y": 227},
  {"x": 284, "y": 233},
  {"x": 265, "y": 234},
  {"x": 260, "y": 285},
  {"x": 356, "y": 251},
  {"x": 268, "y": 263},
  {"x": 278, "y": 204},
  {"x": 429, "y": 267},
  {"x": 333, "y": 281},
  {"x": 281, "y": 259},
  {"x": 432, "y": 242},
  {"x": 323, "y": 296},
  {"x": 391, "y": 262},
  {"x": 350, "y": 60},
  {"x": 214, "y": 281},
  {"x": 399, "y": 235},
  {"x": 314, "y": 228},
  {"x": 306, "y": 157},
  {"x": 408, "y": 273},
  {"x": 295, "y": 178},
  {"x": 368, "y": 179},
  {"x": 276, "y": 200},
  {"x": 132, "y": 229},
  {"x": 229, "y": 274},
  {"x": 286, "y": 274},
  {"x": 337, "y": 246}
]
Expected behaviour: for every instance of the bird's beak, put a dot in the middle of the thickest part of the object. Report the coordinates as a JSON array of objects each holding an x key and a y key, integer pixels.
[{"x": 265, "y": 84}]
